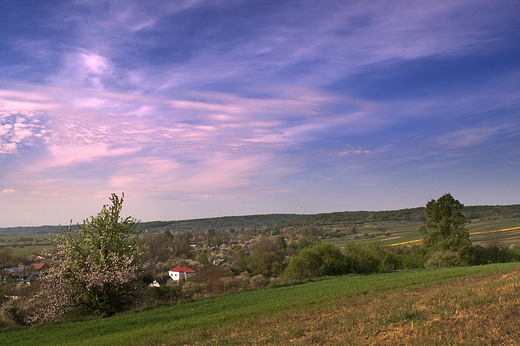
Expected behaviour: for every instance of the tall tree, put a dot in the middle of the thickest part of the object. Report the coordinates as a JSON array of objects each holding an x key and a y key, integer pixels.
[
  {"x": 95, "y": 269},
  {"x": 445, "y": 226}
]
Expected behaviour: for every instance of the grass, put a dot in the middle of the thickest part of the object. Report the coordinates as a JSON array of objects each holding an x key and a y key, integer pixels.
[
  {"x": 372, "y": 309},
  {"x": 482, "y": 310}
]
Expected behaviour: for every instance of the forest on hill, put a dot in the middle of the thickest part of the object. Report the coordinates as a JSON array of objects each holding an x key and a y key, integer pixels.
[{"x": 484, "y": 212}]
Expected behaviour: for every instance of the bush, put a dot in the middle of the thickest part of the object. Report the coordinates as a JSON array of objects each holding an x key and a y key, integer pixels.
[
  {"x": 323, "y": 259},
  {"x": 493, "y": 254},
  {"x": 16, "y": 311},
  {"x": 366, "y": 258},
  {"x": 229, "y": 284},
  {"x": 445, "y": 259},
  {"x": 258, "y": 281},
  {"x": 163, "y": 294},
  {"x": 4, "y": 323},
  {"x": 193, "y": 290},
  {"x": 410, "y": 257}
]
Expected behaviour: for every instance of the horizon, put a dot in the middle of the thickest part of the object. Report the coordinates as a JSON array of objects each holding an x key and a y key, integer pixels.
[
  {"x": 200, "y": 110},
  {"x": 246, "y": 215}
]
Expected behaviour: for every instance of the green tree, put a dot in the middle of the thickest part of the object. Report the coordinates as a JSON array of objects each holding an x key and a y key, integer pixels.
[
  {"x": 210, "y": 235},
  {"x": 241, "y": 259},
  {"x": 156, "y": 248},
  {"x": 94, "y": 269},
  {"x": 303, "y": 243},
  {"x": 280, "y": 241},
  {"x": 266, "y": 259},
  {"x": 6, "y": 255},
  {"x": 203, "y": 259},
  {"x": 323, "y": 259},
  {"x": 445, "y": 227}
]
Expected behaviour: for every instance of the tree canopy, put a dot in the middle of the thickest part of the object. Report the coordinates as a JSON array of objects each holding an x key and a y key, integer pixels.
[
  {"x": 445, "y": 226},
  {"x": 320, "y": 260}
]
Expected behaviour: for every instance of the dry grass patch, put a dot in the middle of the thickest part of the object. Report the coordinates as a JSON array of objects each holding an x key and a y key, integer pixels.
[{"x": 482, "y": 310}]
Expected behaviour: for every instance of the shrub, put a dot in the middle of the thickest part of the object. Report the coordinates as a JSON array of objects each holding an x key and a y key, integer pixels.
[
  {"x": 362, "y": 258},
  {"x": 163, "y": 294},
  {"x": 192, "y": 290},
  {"x": 258, "y": 281},
  {"x": 445, "y": 259},
  {"x": 493, "y": 254},
  {"x": 410, "y": 257},
  {"x": 323, "y": 259}
]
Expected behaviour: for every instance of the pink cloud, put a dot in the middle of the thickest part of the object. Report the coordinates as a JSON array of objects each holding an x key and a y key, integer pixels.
[{"x": 65, "y": 155}]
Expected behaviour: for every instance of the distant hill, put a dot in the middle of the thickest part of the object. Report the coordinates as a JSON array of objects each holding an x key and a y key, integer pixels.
[
  {"x": 416, "y": 214},
  {"x": 225, "y": 222},
  {"x": 30, "y": 230},
  {"x": 286, "y": 220}
]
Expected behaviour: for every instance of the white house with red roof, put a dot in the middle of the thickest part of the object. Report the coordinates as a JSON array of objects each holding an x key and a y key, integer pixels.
[{"x": 181, "y": 273}]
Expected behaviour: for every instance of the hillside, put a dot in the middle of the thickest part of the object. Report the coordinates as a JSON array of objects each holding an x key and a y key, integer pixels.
[{"x": 411, "y": 307}]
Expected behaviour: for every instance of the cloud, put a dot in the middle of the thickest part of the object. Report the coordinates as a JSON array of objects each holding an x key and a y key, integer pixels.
[
  {"x": 197, "y": 100},
  {"x": 74, "y": 154},
  {"x": 18, "y": 130},
  {"x": 467, "y": 137},
  {"x": 356, "y": 152}
]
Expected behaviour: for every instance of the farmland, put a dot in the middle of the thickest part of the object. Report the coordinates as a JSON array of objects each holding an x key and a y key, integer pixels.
[
  {"x": 395, "y": 232},
  {"x": 389, "y": 232},
  {"x": 444, "y": 306},
  {"x": 25, "y": 245}
]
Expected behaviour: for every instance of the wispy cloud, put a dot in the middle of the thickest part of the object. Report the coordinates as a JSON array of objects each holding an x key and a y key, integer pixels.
[
  {"x": 467, "y": 137},
  {"x": 251, "y": 102}
]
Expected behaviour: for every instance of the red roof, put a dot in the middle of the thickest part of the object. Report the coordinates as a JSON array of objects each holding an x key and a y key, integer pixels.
[
  {"x": 182, "y": 269},
  {"x": 37, "y": 266}
]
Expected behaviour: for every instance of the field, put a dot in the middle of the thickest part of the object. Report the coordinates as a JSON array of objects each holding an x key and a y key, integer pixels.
[
  {"x": 26, "y": 244},
  {"x": 504, "y": 232},
  {"x": 471, "y": 305}
]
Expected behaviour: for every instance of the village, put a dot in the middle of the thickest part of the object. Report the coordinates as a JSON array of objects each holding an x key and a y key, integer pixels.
[{"x": 214, "y": 261}]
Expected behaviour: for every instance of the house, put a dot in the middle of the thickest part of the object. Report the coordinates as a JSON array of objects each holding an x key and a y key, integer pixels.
[
  {"x": 27, "y": 279},
  {"x": 160, "y": 281},
  {"x": 36, "y": 266},
  {"x": 19, "y": 269},
  {"x": 181, "y": 273},
  {"x": 35, "y": 258}
]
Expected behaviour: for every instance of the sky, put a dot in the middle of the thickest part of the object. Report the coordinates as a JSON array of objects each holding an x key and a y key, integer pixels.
[{"x": 209, "y": 108}]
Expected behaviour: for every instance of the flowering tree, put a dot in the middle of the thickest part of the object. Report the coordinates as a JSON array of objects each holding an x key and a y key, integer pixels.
[{"x": 95, "y": 269}]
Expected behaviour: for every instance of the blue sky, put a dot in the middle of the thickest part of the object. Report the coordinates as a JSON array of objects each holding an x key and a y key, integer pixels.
[{"x": 210, "y": 108}]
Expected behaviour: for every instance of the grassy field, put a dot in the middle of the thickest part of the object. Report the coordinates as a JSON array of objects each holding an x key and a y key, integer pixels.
[
  {"x": 26, "y": 244},
  {"x": 427, "y": 307},
  {"x": 505, "y": 232}
]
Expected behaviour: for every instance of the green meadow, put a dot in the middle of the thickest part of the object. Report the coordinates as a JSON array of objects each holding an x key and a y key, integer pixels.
[{"x": 277, "y": 315}]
